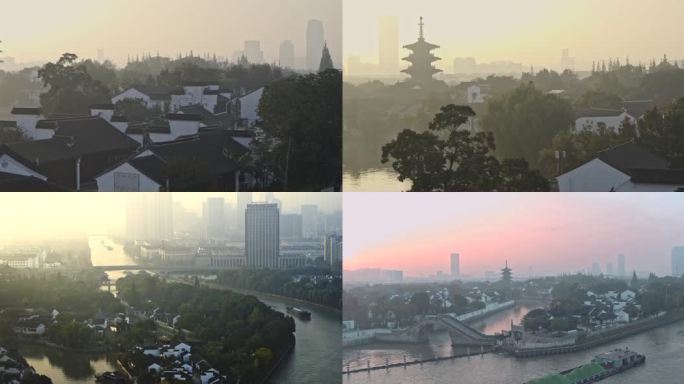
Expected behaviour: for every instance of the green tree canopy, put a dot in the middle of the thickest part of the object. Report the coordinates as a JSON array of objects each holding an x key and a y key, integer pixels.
[
  {"x": 301, "y": 149},
  {"x": 448, "y": 158},
  {"x": 71, "y": 88},
  {"x": 525, "y": 121}
]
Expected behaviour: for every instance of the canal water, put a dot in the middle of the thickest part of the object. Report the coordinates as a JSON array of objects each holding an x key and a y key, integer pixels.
[
  {"x": 663, "y": 347},
  {"x": 315, "y": 358},
  {"x": 374, "y": 180},
  {"x": 75, "y": 367},
  {"x": 439, "y": 346},
  {"x": 317, "y": 353}
]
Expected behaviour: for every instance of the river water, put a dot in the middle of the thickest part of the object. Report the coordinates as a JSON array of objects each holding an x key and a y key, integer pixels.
[
  {"x": 663, "y": 347},
  {"x": 374, "y": 180},
  {"x": 315, "y": 358}
]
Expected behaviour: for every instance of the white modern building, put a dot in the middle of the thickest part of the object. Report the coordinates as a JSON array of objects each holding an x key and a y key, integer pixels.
[
  {"x": 477, "y": 94},
  {"x": 455, "y": 265},
  {"x": 262, "y": 235},
  {"x": 310, "y": 222}
]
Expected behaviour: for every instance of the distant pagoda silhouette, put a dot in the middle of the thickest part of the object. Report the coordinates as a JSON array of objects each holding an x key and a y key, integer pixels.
[
  {"x": 421, "y": 59},
  {"x": 506, "y": 274}
]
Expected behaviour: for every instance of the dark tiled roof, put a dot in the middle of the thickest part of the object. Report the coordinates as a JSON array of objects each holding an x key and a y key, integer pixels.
[
  {"x": 637, "y": 108},
  {"x": 632, "y": 156},
  {"x": 156, "y": 126},
  {"x": 657, "y": 176},
  {"x": 152, "y": 167},
  {"x": 183, "y": 117},
  {"x": 26, "y": 111},
  {"x": 5, "y": 150},
  {"x": 8, "y": 124},
  {"x": 199, "y": 83},
  {"x": 209, "y": 151},
  {"x": 212, "y": 92},
  {"x": 109, "y": 107},
  {"x": 119, "y": 119},
  {"x": 10, "y": 182},
  {"x": 74, "y": 138},
  {"x": 208, "y": 118},
  {"x": 155, "y": 93}
]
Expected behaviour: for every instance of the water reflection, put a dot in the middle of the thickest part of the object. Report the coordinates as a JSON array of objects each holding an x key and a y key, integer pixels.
[
  {"x": 374, "y": 180},
  {"x": 66, "y": 366}
]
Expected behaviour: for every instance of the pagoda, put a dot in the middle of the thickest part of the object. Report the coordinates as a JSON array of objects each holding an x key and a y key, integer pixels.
[
  {"x": 506, "y": 274},
  {"x": 421, "y": 59}
]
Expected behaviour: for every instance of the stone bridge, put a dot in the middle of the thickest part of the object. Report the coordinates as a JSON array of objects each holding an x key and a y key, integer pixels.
[{"x": 460, "y": 333}]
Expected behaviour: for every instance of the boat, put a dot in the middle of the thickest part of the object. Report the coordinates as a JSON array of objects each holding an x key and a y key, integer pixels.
[
  {"x": 601, "y": 366},
  {"x": 302, "y": 314},
  {"x": 110, "y": 378}
]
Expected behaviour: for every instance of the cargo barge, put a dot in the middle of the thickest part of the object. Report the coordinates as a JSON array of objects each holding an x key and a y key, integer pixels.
[
  {"x": 302, "y": 314},
  {"x": 602, "y": 366}
]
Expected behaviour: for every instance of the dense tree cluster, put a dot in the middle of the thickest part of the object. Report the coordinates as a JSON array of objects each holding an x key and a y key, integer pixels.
[
  {"x": 324, "y": 291},
  {"x": 237, "y": 331},
  {"x": 450, "y": 158},
  {"x": 301, "y": 149}
]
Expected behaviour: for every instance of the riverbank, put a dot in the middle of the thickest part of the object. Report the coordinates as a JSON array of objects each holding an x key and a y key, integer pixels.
[
  {"x": 272, "y": 295},
  {"x": 637, "y": 327},
  {"x": 45, "y": 343},
  {"x": 365, "y": 336}
]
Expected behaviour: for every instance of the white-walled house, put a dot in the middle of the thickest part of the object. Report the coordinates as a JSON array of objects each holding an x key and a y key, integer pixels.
[
  {"x": 152, "y": 97},
  {"x": 138, "y": 174},
  {"x": 27, "y": 120},
  {"x": 477, "y": 94},
  {"x": 591, "y": 119},
  {"x": 249, "y": 107},
  {"x": 625, "y": 168}
]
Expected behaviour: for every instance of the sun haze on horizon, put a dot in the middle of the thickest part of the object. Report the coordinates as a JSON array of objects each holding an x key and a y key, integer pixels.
[
  {"x": 543, "y": 233},
  {"x": 529, "y": 32},
  {"x": 36, "y": 31}
]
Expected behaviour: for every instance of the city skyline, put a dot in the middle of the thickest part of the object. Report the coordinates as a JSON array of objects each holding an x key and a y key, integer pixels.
[
  {"x": 67, "y": 214},
  {"x": 489, "y": 33},
  {"x": 106, "y": 29},
  {"x": 547, "y": 233}
]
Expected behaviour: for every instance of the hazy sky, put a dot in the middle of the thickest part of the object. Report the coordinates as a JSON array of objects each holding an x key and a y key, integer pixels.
[
  {"x": 45, "y": 214},
  {"x": 44, "y": 29},
  {"x": 532, "y": 32},
  {"x": 551, "y": 233}
]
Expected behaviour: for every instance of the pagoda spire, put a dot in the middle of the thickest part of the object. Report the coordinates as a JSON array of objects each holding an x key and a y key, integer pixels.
[{"x": 421, "y": 25}]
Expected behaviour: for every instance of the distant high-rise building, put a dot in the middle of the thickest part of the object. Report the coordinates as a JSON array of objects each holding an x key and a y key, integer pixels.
[
  {"x": 609, "y": 269},
  {"x": 262, "y": 235},
  {"x": 253, "y": 51},
  {"x": 567, "y": 62},
  {"x": 287, "y": 54},
  {"x": 149, "y": 216},
  {"x": 315, "y": 40},
  {"x": 595, "y": 269},
  {"x": 421, "y": 58},
  {"x": 215, "y": 218},
  {"x": 678, "y": 261},
  {"x": 310, "y": 222},
  {"x": 332, "y": 252},
  {"x": 291, "y": 226},
  {"x": 621, "y": 265},
  {"x": 455, "y": 265},
  {"x": 389, "y": 45},
  {"x": 243, "y": 198},
  {"x": 374, "y": 275}
]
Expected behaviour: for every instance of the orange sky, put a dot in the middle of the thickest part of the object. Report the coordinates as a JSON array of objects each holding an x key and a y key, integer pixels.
[{"x": 551, "y": 233}]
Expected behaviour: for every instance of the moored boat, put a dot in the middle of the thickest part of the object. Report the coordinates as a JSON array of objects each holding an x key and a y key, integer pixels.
[
  {"x": 601, "y": 366},
  {"x": 302, "y": 314}
]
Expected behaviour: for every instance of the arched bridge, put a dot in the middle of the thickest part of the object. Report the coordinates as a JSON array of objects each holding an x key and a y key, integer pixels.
[{"x": 460, "y": 333}]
